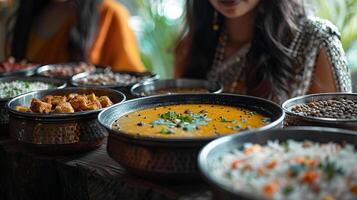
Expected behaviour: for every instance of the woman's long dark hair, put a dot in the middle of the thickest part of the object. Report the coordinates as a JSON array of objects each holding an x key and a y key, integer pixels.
[
  {"x": 269, "y": 61},
  {"x": 81, "y": 35}
]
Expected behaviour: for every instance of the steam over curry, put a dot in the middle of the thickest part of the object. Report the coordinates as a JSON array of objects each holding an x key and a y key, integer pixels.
[{"x": 189, "y": 120}]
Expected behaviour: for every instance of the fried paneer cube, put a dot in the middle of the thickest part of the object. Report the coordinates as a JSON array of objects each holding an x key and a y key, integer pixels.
[
  {"x": 93, "y": 105},
  {"x": 105, "y": 101},
  {"x": 40, "y": 106},
  {"x": 64, "y": 108},
  {"x": 66, "y": 104},
  {"x": 71, "y": 96},
  {"x": 91, "y": 97},
  {"x": 23, "y": 109},
  {"x": 79, "y": 102},
  {"x": 54, "y": 100}
]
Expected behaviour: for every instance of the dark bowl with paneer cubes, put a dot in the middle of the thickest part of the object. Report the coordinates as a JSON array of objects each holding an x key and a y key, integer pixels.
[
  {"x": 159, "y": 137},
  {"x": 13, "y": 86},
  {"x": 60, "y": 121}
]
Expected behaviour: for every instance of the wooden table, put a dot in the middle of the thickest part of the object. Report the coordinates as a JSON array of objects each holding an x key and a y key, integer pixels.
[{"x": 93, "y": 175}]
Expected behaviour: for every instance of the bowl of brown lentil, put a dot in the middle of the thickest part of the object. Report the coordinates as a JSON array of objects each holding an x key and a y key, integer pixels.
[{"x": 325, "y": 109}]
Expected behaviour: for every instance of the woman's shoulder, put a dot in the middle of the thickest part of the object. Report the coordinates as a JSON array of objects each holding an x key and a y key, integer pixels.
[
  {"x": 114, "y": 8},
  {"x": 317, "y": 28}
]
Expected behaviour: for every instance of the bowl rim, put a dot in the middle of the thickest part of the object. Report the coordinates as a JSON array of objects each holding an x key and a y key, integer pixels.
[
  {"x": 150, "y": 77},
  {"x": 161, "y": 140},
  {"x": 317, "y": 119},
  {"x": 150, "y": 82},
  {"x": 43, "y": 68},
  {"x": 46, "y": 80},
  {"x": 203, "y": 154},
  {"x": 55, "y": 116},
  {"x": 31, "y": 70}
]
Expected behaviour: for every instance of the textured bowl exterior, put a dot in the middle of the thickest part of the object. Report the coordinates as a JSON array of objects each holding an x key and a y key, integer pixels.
[
  {"x": 154, "y": 162},
  {"x": 4, "y": 116},
  {"x": 53, "y": 137},
  {"x": 139, "y": 89},
  {"x": 212, "y": 151},
  {"x": 62, "y": 133},
  {"x": 293, "y": 119},
  {"x": 161, "y": 158},
  {"x": 4, "y": 119}
]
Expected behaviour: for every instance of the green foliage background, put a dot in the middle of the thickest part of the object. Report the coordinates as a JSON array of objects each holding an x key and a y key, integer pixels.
[
  {"x": 343, "y": 13},
  {"x": 159, "y": 34}
]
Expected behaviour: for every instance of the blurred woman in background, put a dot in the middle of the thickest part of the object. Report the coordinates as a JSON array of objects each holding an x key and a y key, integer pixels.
[
  {"x": 57, "y": 31},
  {"x": 266, "y": 48},
  {"x": 6, "y": 9}
]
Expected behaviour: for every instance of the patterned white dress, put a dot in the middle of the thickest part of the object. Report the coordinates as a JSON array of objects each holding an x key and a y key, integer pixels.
[{"x": 313, "y": 35}]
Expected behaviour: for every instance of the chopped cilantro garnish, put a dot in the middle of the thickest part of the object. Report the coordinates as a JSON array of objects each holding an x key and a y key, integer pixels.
[
  {"x": 287, "y": 190},
  {"x": 330, "y": 168},
  {"x": 166, "y": 131},
  {"x": 266, "y": 120},
  {"x": 225, "y": 120},
  {"x": 187, "y": 122},
  {"x": 286, "y": 146},
  {"x": 237, "y": 127},
  {"x": 252, "y": 113}
]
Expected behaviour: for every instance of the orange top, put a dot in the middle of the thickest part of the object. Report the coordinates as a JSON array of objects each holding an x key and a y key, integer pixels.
[{"x": 115, "y": 44}]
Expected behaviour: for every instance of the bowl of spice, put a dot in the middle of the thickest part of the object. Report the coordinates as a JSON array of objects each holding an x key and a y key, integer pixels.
[
  {"x": 11, "y": 87},
  {"x": 105, "y": 78},
  {"x": 65, "y": 70},
  {"x": 175, "y": 86},
  {"x": 11, "y": 67},
  {"x": 325, "y": 109}
]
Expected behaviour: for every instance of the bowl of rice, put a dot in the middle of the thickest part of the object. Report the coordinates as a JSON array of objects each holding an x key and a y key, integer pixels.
[
  {"x": 13, "y": 86},
  {"x": 294, "y": 163}
]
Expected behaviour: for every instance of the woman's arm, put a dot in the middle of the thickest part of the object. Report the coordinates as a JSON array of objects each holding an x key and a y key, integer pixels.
[
  {"x": 323, "y": 79},
  {"x": 116, "y": 44},
  {"x": 331, "y": 72}
]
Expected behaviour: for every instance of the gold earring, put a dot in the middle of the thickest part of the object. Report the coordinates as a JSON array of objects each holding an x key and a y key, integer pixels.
[{"x": 215, "y": 25}]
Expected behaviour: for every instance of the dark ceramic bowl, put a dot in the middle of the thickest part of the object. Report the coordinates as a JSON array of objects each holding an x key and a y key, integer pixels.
[
  {"x": 150, "y": 88},
  {"x": 145, "y": 76},
  {"x": 4, "y": 116},
  {"x": 215, "y": 149},
  {"x": 58, "y": 133},
  {"x": 164, "y": 158},
  {"x": 294, "y": 119}
]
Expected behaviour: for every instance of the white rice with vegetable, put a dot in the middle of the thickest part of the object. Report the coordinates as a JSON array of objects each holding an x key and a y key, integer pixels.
[
  {"x": 291, "y": 170},
  {"x": 15, "y": 88}
]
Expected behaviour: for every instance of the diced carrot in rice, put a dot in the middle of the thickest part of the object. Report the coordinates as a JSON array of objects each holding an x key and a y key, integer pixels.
[
  {"x": 310, "y": 177},
  {"x": 354, "y": 189},
  {"x": 270, "y": 189},
  {"x": 253, "y": 149},
  {"x": 272, "y": 164}
]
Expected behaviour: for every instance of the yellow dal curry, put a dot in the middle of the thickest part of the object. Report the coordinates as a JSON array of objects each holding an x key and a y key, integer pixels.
[{"x": 189, "y": 120}]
